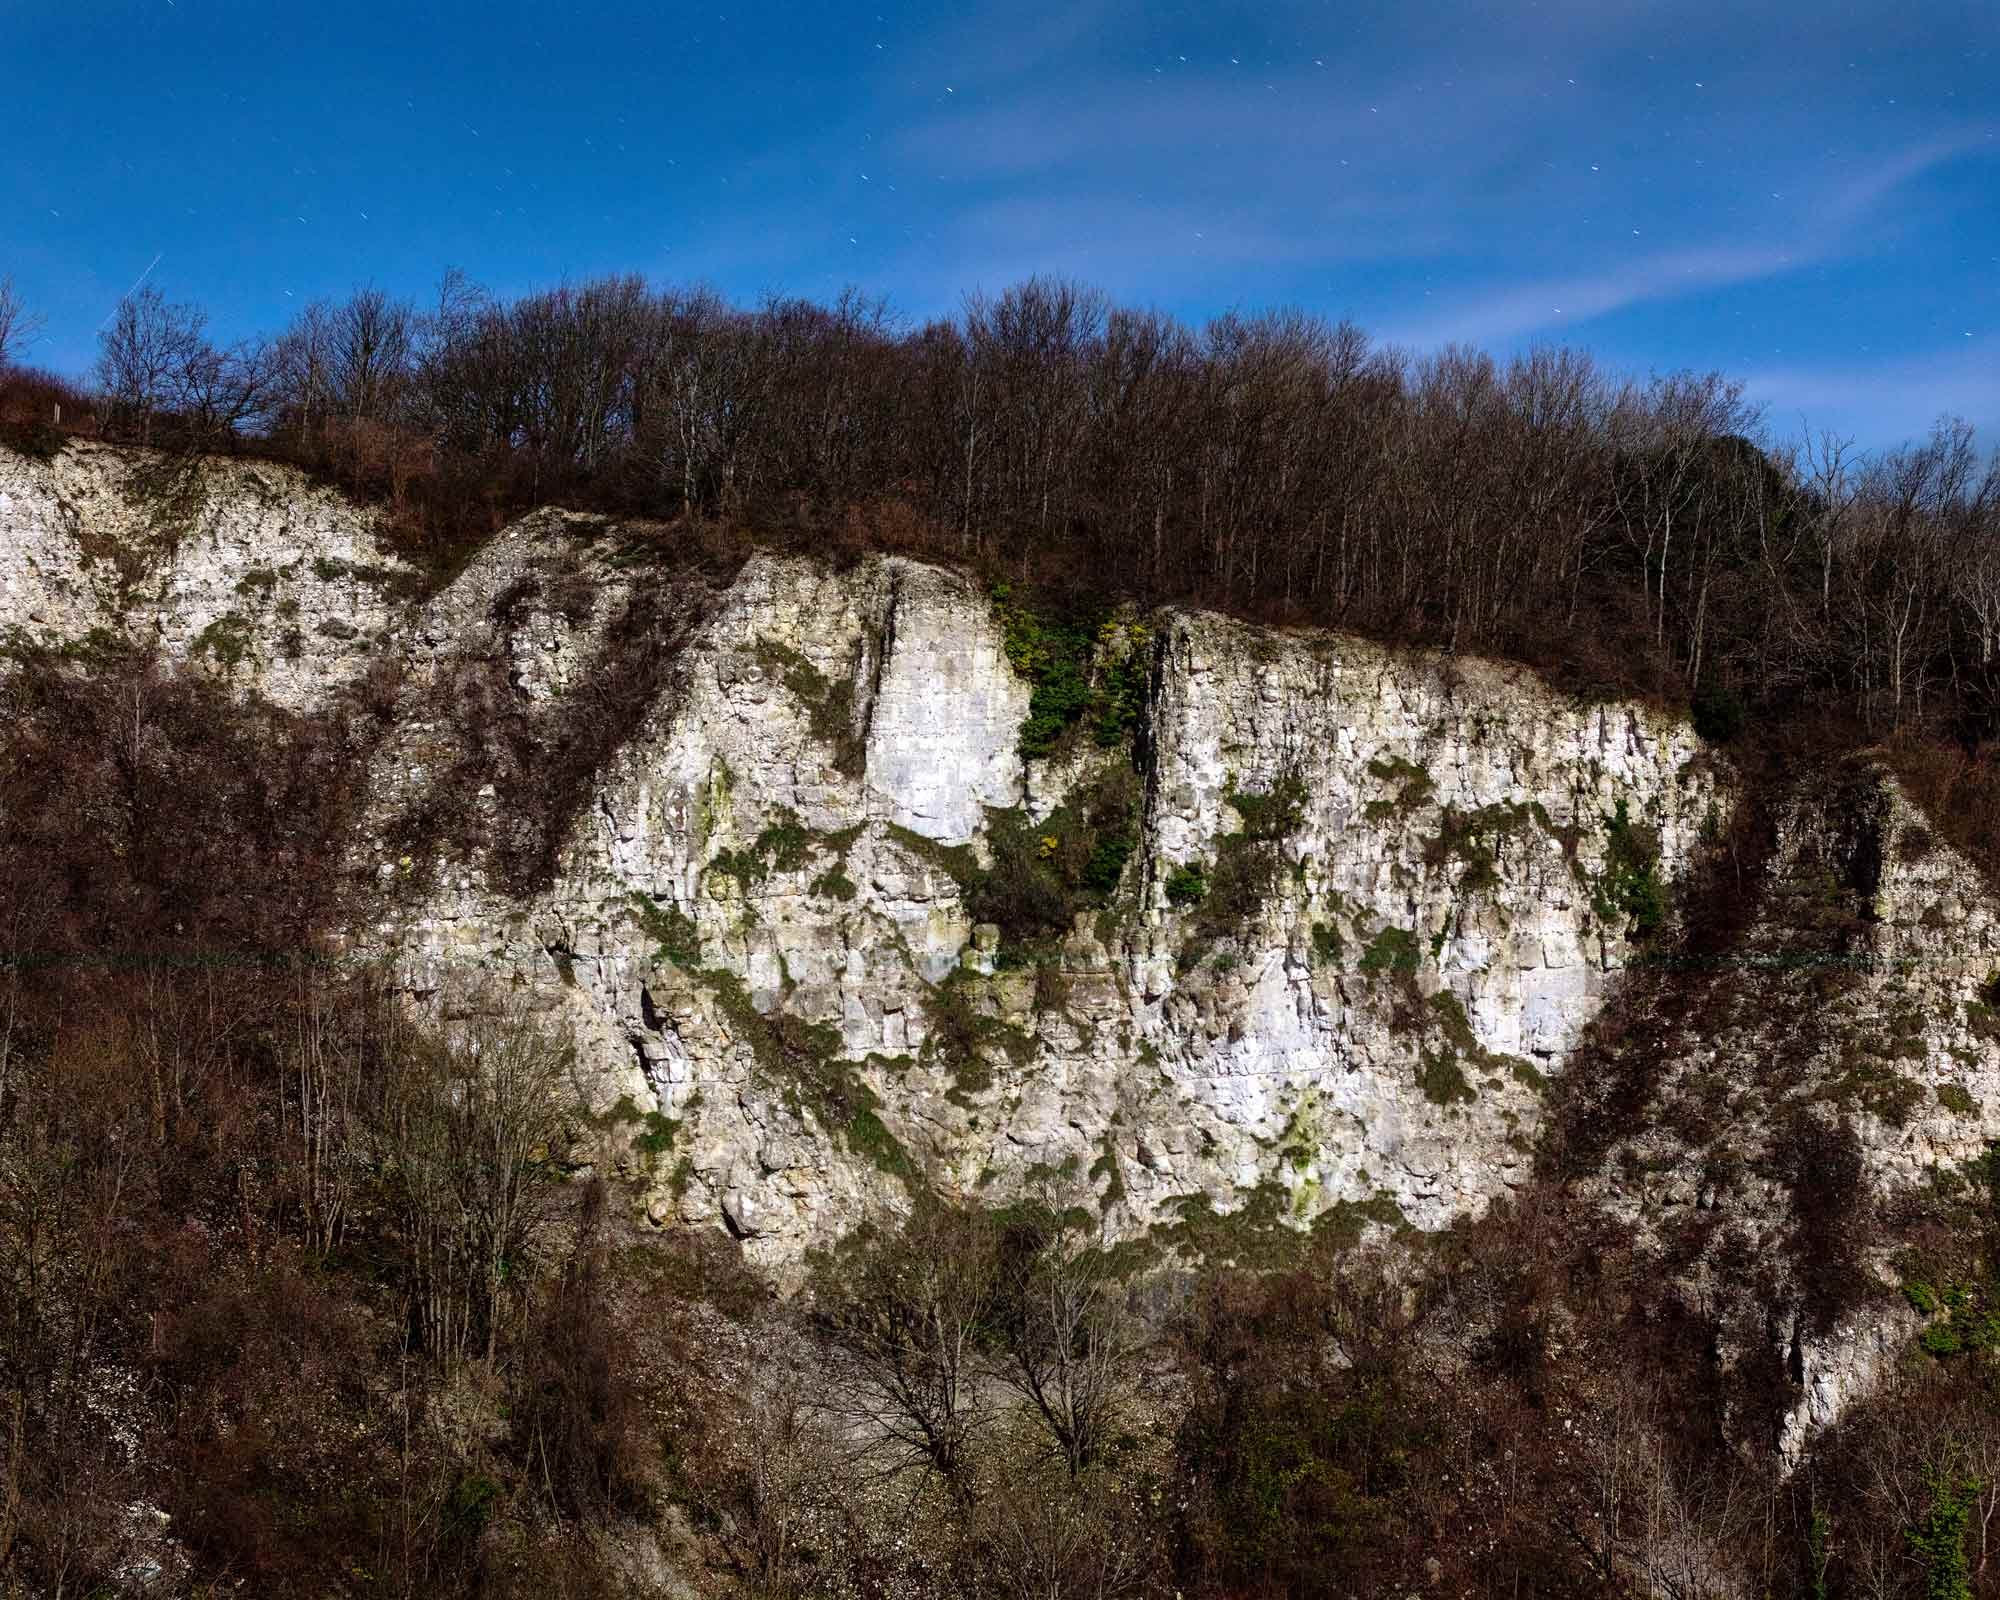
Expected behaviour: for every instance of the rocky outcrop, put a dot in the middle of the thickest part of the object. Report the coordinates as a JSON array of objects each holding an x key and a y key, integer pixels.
[
  {"x": 244, "y": 569},
  {"x": 1835, "y": 1372},
  {"x": 763, "y": 840},
  {"x": 759, "y": 923},
  {"x": 1836, "y": 1059},
  {"x": 756, "y": 918}
]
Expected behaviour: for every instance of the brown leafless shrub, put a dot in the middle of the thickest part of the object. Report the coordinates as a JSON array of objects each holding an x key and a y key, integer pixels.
[{"x": 906, "y": 1316}]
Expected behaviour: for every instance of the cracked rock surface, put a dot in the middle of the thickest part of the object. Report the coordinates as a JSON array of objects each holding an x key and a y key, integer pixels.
[{"x": 721, "y": 822}]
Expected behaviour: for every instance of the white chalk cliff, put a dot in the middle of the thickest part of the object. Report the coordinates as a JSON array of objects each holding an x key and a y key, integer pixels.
[{"x": 755, "y": 920}]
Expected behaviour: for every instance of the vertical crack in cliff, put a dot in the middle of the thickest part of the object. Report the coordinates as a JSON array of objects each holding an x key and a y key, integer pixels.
[
  {"x": 1145, "y": 747},
  {"x": 885, "y": 645}
]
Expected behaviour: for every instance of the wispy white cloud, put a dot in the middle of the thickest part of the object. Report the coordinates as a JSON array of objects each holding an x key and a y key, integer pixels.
[
  {"x": 1840, "y": 205},
  {"x": 1558, "y": 303},
  {"x": 1857, "y": 194},
  {"x": 1269, "y": 131}
]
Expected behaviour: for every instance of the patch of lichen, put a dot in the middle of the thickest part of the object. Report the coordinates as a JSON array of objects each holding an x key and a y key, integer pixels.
[
  {"x": 1442, "y": 1079},
  {"x": 834, "y": 883},
  {"x": 1456, "y": 1028},
  {"x": 958, "y": 862},
  {"x": 651, "y": 1133},
  {"x": 1107, "y": 1167},
  {"x": 1041, "y": 875},
  {"x": 1272, "y": 814},
  {"x": 1961, "y": 1313},
  {"x": 781, "y": 847},
  {"x": 1391, "y": 952},
  {"x": 1448, "y": 1050},
  {"x": 1247, "y": 867},
  {"x": 1299, "y": 1142},
  {"x": 1868, "y": 1081},
  {"x": 1982, "y": 1014},
  {"x": 674, "y": 935},
  {"x": 1629, "y": 888},
  {"x": 229, "y": 640},
  {"x": 1957, "y": 1099}
]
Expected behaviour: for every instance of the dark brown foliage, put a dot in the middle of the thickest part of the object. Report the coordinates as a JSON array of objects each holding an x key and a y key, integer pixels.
[
  {"x": 578, "y": 1421},
  {"x": 1301, "y": 1433},
  {"x": 149, "y": 810},
  {"x": 191, "y": 1321},
  {"x": 1624, "y": 537}
]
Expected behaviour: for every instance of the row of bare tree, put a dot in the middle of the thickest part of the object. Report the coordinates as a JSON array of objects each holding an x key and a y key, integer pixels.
[{"x": 1642, "y": 534}]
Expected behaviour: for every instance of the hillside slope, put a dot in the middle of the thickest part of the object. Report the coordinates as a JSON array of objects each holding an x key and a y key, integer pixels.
[{"x": 1287, "y": 927}]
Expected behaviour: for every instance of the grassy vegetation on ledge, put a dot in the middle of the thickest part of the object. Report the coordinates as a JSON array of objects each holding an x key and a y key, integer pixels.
[
  {"x": 1629, "y": 890},
  {"x": 1042, "y": 875},
  {"x": 1086, "y": 666}
]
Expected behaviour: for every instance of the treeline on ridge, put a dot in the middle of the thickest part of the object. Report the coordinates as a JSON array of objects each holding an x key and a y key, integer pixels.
[{"x": 1631, "y": 536}]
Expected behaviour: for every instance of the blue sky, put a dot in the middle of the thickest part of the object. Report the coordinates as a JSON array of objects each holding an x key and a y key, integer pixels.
[{"x": 1805, "y": 195}]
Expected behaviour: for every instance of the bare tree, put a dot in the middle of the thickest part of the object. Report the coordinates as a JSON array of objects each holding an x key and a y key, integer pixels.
[
  {"x": 789, "y": 1471},
  {"x": 1681, "y": 1519},
  {"x": 906, "y": 1315},
  {"x": 1071, "y": 1345},
  {"x": 323, "y": 1100},
  {"x": 302, "y": 363},
  {"x": 370, "y": 350},
  {"x": 155, "y": 361},
  {"x": 351, "y": 361},
  {"x": 143, "y": 355},
  {"x": 18, "y": 325},
  {"x": 1048, "y": 1536},
  {"x": 473, "y": 1131}
]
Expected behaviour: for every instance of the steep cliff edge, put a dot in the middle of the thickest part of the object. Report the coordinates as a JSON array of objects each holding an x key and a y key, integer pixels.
[
  {"x": 1369, "y": 1024},
  {"x": 1285, "y": 926},
  {"x": 1356, "y": 908}
]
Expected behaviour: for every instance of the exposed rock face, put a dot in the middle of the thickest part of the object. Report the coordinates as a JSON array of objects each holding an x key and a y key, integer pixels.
[
  {"x": 1842, "y": 1369},
  {"x": 1843, "y": 1052},
  {"x": 1369, "y": 1026},
  {"x": 1450, "y": 822},
  {"x": 1422, "y": 878},
  {"x": 243, "y": 568},
  {"x": 1278, "y": 1059}
]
